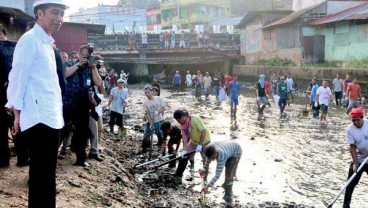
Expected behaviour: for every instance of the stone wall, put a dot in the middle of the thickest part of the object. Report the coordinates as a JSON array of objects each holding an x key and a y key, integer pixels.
[{"x": 300, "y": 73}]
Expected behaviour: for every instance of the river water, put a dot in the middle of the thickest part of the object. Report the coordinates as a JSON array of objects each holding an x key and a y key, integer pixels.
[{"x": 286, "y": 160}]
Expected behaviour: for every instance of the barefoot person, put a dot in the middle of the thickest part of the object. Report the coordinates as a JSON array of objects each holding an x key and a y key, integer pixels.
[{"x": 323, "y": 97}]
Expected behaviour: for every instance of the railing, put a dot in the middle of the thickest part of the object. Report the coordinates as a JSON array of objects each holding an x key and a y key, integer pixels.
[{"x": 114, "y": 42}]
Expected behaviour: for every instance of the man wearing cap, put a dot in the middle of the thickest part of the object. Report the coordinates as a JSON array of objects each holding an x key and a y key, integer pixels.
[
  {"x": 37, "y": 101},
  {"x": 118, "y": 101},
  {"x": 357, "y": 138},
  {"x": 154, "y": 108}
]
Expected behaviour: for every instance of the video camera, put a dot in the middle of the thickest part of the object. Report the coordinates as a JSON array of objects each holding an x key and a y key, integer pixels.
[{"x": 91, "y": 59}]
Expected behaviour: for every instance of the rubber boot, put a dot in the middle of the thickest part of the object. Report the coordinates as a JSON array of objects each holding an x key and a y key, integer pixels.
[{"x": 228, "y": 197}]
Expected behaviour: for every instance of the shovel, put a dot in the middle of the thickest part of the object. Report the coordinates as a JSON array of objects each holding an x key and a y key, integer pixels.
[
  {"x": 329, "y": 205},
  {"x": 169, "y": 161},
  {"x": 152, "y": 161},
  {"x": 202, "y": 200}
]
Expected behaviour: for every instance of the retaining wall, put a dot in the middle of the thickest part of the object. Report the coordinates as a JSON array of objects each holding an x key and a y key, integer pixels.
[{"x": 299, "y": 73}]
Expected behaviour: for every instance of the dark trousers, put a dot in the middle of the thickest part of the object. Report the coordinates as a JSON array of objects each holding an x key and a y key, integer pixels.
[
  {"x": 115, "y": 118},
  {"x": 21, "y": 145},
  {"x": 230, "y": 170},
  {"x": 5, "y": 122},
  {"x": 43, "y": 150},
  {"x": 338, "y": 96},
  {"x": 350, "y": 189},
  {"x": 81, "y": 133},
  {"x": 4, "y": 146},
  {"x": 282, "y": 104}
]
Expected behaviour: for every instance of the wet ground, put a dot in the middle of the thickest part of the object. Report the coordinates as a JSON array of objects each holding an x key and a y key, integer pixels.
[{"x": 289, "y": 161}]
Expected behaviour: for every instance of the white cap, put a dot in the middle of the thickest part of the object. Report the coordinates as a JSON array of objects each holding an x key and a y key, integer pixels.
[
  {"x": 60, "y": 2},
  {"x": 120, "y": 81}
]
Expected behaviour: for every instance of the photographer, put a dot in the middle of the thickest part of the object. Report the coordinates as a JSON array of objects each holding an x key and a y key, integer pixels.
[{"x": 82, "y": 76}]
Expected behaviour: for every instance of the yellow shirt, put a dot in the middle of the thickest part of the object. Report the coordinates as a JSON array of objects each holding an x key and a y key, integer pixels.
[{"x": 197, "y": 128}]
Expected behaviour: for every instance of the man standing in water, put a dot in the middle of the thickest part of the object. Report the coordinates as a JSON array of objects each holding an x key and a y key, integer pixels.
[
  {"x": 37, "y": 101},
  {"x": 337, "y": 86},
  {"x": 262, "y": 99},
  {"x": 282, "y": 91},
  {"x": 234, "y": 88},
  {"x": 356, "y": 137},
  {"x": 353, "y": 92},
  {"x": 323, "y": 97}
]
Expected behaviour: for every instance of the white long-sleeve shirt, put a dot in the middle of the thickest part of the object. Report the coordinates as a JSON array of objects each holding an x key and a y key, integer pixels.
[{"x": 33, "y": 82}]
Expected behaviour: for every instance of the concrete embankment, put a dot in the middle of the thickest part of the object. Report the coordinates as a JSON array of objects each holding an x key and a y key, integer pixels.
[{"x": 252, "y": 72}]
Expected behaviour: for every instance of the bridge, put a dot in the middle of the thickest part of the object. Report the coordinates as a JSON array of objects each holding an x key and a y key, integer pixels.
[{"x": 116, "y": 52}]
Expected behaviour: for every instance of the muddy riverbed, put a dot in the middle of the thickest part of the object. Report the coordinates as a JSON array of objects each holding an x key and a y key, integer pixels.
[{"x": 289, "y": 161}]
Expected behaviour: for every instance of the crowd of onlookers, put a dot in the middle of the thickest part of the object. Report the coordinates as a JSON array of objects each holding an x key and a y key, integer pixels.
[{"x": 170, "y": 40}]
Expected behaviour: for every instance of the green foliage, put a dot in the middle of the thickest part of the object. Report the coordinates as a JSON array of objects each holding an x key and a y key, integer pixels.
[
  {"x": 324, "y": 64},
  {"x": 362, "y": 64},
  {"x": 276, "y": 62}
]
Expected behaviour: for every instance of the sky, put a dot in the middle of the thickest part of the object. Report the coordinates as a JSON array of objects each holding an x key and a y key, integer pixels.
[{"x": 76, "y": 4}]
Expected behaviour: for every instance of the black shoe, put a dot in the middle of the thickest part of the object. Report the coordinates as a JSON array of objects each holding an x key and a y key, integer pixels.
[
  {"x": 95, "y": 157},
  {"x": 23, "y": 163},
  {"x": 82, "y": 164}
]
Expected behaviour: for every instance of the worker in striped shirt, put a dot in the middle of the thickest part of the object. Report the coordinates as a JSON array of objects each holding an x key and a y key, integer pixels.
[{"x": 227, "y": 154}]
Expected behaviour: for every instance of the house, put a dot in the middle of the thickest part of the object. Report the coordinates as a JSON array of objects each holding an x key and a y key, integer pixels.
[
  {"x": 293, "y": 38},
  {"x": 345, "y": 34},
  {"x": 252, "y": 41},
  {"x": 15, "y": 21},
  {"x": 72, "y": 35}
]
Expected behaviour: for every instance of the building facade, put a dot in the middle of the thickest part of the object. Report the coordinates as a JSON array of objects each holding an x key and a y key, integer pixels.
[
  {"x": 118, "y": 19},
  {"x": 154, "y": 19},
  {"x": 290, "y": 37},
  {"x": 193, "y": 14}
]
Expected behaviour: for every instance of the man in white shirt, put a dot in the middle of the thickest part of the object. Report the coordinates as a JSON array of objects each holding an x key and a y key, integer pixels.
[
  {"x": 324, "y": 96},
  {"x": 357, "y": 138},
  {"x": 207, "y": 80},
  {"x": 154, "y": 108},
  {"x": 36, "y": 100},
  {"x": 188, "y": 79}
]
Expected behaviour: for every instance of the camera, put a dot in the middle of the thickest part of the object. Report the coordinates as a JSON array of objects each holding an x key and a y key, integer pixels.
[{"x": 91, "y": 59}]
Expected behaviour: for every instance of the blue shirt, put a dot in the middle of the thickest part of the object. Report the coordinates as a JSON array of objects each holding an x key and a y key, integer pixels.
[
  {"x": 78, "y": 86},
  {"x": 234, "y": 87},
  {"x": 314, "y": 93},
  {"x": 177, "y": 79}
]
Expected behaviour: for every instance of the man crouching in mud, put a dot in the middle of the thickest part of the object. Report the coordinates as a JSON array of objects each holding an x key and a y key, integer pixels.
[{"x": 227, "y": 154}]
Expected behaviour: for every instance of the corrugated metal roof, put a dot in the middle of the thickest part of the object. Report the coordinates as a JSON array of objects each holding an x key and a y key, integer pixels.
[
  {"x": 15, "y": 13},
  {"x": 293, "y": 16},
  {"x": 355, "y": 13}
]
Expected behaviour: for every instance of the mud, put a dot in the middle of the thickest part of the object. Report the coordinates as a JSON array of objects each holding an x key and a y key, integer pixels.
[{"x": 288, "y": 161}]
